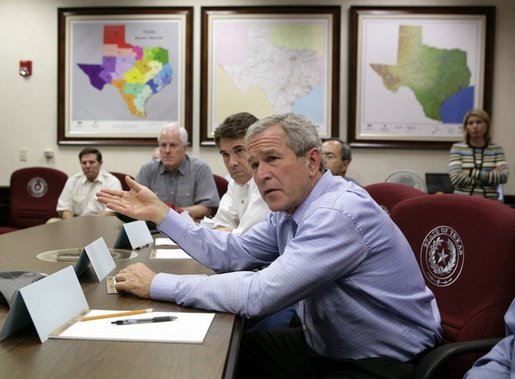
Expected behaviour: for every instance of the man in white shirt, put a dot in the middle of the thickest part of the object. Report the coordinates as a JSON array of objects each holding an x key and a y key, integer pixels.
[
  {"x": 78, "y": 197},
  {"x": 242, "y": 205}
]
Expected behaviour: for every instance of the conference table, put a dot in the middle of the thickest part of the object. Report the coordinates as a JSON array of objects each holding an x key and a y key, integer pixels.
[{"x": 22, "y": 355}]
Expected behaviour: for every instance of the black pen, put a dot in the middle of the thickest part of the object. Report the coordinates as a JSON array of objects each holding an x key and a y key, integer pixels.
[{"x": 144, "y": 320}]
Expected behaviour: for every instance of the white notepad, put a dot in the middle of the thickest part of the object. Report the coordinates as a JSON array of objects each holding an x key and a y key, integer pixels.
[
  {"x": 187, "y": 328},
  {"x": 169, "y": 254},
  {"x": 160, "y": 241}
]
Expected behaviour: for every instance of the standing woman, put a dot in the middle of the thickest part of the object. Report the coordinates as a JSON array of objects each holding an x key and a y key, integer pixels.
[{"x": 477, "y": 166}]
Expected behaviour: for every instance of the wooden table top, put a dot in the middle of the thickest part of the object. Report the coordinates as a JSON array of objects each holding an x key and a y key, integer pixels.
[{"x": 22, "y": 354}]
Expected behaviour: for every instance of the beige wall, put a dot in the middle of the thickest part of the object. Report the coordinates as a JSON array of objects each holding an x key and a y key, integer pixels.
[{"x": 28, "y": 109}]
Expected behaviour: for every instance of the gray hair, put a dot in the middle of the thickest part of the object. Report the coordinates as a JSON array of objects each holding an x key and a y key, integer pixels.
[
  {"x": 174, "y": 127},
  {"x": 300, "y": 133}
]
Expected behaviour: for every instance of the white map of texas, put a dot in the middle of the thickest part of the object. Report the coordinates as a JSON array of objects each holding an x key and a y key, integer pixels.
[{"x": 284, "y": 74}]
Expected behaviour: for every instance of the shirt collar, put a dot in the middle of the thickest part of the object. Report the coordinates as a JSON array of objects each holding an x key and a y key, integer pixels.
[
  {"x": 99, "y": 178},
  {"x": 317, "y": 191},
  {"x": 182, "y": 169}
]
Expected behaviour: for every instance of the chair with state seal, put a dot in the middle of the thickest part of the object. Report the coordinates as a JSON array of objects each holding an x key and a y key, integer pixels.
[
  {"x": 387, "y": 195},
  {"x": 465, "y": 248},
  {"x": 34, "y": 192}
]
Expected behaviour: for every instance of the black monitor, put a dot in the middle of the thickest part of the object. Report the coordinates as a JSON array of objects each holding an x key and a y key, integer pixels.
[{"x": 438, "y": 182}]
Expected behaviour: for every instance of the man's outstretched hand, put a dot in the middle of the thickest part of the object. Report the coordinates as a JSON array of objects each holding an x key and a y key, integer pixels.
[{"x": 139, "y": 203}]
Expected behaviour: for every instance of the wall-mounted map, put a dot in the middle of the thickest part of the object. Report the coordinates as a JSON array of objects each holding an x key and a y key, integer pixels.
[
  {"x": 122, "y": 73},
  {"x": 419, "y": 70},
  {"x": 138, "y": 72},
  {"x": 267, "y": 64}
]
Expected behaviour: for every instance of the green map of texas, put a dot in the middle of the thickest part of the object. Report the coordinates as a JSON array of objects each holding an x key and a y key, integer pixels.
[
  {"x": 433, "y": 74},
  {"x": 137, "y": 72}
]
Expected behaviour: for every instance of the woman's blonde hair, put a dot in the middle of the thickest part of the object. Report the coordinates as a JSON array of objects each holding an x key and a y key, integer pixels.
[{"x": 484, "y": 117}]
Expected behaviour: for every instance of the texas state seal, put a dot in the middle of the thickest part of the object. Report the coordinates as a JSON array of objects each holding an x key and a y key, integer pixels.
[
  {"x": 442, "y": 256},
  {"x": 37, "y": 187}
]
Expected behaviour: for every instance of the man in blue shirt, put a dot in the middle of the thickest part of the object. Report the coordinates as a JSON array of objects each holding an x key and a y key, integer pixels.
[
  {"x": 499, "y": 363},
  {"x": 329, "y": 249}
]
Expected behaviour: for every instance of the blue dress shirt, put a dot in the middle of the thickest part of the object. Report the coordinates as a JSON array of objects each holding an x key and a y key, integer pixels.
[
  {"x": 499, "y": 363},
  {"x": 354, "y": 279}
]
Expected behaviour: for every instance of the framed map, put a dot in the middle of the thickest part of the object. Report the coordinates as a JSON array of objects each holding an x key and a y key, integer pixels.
[
  {"x": 123, "y": 73},
  {"x": 415, "y": 72},
  {"x": 270, "y": 60}
]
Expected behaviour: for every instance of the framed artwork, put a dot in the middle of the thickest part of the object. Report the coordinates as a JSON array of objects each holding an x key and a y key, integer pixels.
[
  {"x": 123, "y": 73},
  {"x": 270, "y": 60},
  {"x": 415, "y": 72}
]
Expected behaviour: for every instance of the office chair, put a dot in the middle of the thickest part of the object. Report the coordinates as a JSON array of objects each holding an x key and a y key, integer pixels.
[
  {"x": 121, "y": 177},
  {"x": 34, "y": 192},
  {"x": 221, "y": 184},
  {"x": 389, "y": 194},
  {"x": 464, "y": 246}
]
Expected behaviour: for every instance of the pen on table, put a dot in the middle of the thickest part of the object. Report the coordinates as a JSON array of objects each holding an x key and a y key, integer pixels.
[
  {"x": 144, "y": 320},
  {"x": 118, "y": 314}
]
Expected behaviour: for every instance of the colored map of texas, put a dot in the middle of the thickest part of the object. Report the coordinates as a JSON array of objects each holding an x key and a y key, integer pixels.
[
  {"x": 433, "y": 74},
  {"x": 137, "y": 72}
]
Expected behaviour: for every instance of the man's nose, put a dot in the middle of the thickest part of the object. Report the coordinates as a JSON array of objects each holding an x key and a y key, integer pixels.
[
  {"x": 262, "y": 172},
  {"x": 233, "y": 161}
]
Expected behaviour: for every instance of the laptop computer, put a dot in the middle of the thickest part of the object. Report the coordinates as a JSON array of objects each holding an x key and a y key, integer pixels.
[{"x": 438, "y": 182}]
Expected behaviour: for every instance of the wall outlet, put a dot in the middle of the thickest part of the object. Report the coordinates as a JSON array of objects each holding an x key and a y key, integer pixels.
[{"x": 23, "y": 155}]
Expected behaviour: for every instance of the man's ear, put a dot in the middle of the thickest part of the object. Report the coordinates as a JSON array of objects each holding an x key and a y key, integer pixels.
[{"x": 314, "y": 156}]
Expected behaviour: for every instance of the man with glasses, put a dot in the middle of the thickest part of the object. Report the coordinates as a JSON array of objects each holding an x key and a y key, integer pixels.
[{"x": 337, "y": 156}]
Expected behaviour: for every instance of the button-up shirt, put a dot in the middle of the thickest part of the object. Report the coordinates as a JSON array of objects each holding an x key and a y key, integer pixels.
[
  {"x": 79, "y": 194},
  {"x": 339, "y": 257},
  {"x": 241, "y": 207},
  {"x": 192, "y": 183}
]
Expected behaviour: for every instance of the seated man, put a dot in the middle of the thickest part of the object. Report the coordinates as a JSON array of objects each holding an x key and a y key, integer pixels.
[
  {"x": 242, "y": 205},
  {"x": 78, "y": 197},
  {"x": 499, "y": 363},
  {"x": 337, "y": 156},
  {"x": 177, "y": 178},
  {"x": 328, "y": 248}
]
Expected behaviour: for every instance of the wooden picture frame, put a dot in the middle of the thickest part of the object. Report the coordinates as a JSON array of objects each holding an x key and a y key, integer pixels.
[
  {"x": 270, "y": 60},
  {"x": 415, "y": 71},
  {"x": 123, "y": 73}
]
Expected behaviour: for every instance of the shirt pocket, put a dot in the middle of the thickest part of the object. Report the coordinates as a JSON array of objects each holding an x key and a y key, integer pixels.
[
  {"x": 184, "y": 196},
  {"x": 79, "y": 201}
]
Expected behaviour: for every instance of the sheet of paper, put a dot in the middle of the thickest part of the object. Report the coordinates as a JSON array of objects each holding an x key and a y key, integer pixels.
[
  {"x": 164, "y": 242},
  {"x": 169, "y": 254},
  {"x": 187, "y": 328}
]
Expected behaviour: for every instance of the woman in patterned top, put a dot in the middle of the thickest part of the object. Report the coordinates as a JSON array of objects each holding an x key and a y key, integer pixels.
[{"x": 477, "y": 166}]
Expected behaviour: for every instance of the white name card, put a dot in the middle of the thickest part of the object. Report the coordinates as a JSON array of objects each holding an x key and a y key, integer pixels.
[
  {"x": 98, "y": 254},
  {"x": 135, "y": 233}
]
